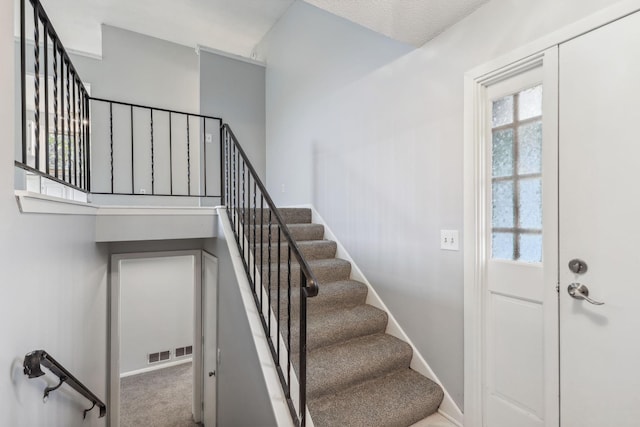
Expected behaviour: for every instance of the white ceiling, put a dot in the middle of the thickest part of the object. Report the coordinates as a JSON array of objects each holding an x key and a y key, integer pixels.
[{"x": 237, "y": 26}]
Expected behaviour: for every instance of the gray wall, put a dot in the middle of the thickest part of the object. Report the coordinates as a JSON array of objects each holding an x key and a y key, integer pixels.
[
  {"x": 235, "y": 90},
  {"x": 372, "y": 136},
  {"x": 53, "y": 292},
  {"x": 243, "y": 399},
  {"x": 156, "y": 308},
  {"x": 143, "y": 70}
]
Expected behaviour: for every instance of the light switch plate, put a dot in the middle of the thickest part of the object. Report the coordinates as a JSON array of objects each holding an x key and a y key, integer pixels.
[
  {"x": 449, "y": 240},
  {"x": 208, "y": 137}
]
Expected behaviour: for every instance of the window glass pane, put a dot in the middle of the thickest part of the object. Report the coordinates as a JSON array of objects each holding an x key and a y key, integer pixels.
[
  {"x": 530, "y": 248},
  {"x": 530, "y": 148},
  {"x": 502, "y": 246},
  {"x": 502, "y": 204},
  {"x": 530, "y": 103},
  {"x": 502, "y": 111},
  {"x": 530, "y": 203},
  {"x": 502, "y": 152}
]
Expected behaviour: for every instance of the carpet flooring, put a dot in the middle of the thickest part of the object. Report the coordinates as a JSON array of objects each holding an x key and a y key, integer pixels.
[
  {"x": 357, "y": 374},
  {"x": 160, "y": 398}
]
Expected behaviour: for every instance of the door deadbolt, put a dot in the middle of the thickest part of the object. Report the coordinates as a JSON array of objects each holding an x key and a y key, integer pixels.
[{"x": 578, "y": 266}]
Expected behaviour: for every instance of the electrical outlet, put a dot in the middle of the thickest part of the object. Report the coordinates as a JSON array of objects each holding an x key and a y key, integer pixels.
[
  {"x": 208, "y": 138},
  {"x": 143, "y": 191},
  {"x": 282, "y": 190},
  {"x": 449, "y": 240}
]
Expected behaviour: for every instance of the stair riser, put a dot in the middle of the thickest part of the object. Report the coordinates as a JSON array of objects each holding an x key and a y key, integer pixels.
[
  {"x": 298, "y": 233},
  {"x": 317, "y": 339},
  {"x": 320, "y": 302},
  {"x": 323, "y": 274},
  {"x": 322, "y": 249},
  {"x": 289, "y": 216}
]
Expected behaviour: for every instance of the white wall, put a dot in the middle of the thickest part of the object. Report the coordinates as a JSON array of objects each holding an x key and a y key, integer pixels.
[
  {"x": 53, "y": 290},
  {"x": 243, "y": 398},
  {"x": 234, "y": 90},
  {"x": 372, "y": 136},
  {"x": 156, "y": 308}
]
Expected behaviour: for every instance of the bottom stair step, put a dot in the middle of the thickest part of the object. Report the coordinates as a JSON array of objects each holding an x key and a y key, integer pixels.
[{"x": 398, "y": 399}]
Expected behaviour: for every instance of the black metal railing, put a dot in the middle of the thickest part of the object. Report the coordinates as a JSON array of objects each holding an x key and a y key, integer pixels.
[
  {"x": 55, "y": 129},
  {"x": 271, "y": 258},
  {"x": 32, "y": 368},
  {"x": 156, "y": 151}
]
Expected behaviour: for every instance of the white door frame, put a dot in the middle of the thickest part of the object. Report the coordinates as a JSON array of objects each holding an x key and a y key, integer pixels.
[
  {"x": 113, "y": 331},
  {"x": 475, "y": 83}
]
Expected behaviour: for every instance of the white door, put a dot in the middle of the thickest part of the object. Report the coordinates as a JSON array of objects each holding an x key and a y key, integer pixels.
[
  {"x": 599, "y": 224},
  {"x": 520, "y": 384},
  {"x": 209, "y": 325}
]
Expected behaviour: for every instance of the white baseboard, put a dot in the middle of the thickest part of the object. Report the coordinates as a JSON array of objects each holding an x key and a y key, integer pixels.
[
  {"x": 156, "y": 367},
  {"x": 448, "y": 407}
]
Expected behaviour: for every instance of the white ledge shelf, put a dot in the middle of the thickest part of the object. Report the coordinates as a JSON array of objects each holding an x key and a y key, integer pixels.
[{"x": 129, "y": 223}]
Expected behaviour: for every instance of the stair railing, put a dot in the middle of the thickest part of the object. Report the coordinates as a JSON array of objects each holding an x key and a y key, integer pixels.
[
  {"x": 34, "y": 360},
  {"x": 270, "y": 256}
]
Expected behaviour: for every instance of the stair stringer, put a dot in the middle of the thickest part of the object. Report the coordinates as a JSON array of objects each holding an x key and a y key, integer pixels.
[{"x": 448, "y": 407}]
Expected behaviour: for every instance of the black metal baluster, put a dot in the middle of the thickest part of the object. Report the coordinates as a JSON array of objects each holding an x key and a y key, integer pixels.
[
  {"x": 243, "y": 210},
  {"x": 74, "y": 120},
  {"x": 36, "y": 81},
  {"x": 152, "y": 161},
  {"x": 278, "y": 291},
  {"x": 268, "y": 270},
  {"x": 277, "y": 280},
  {"x": 133, "y": 176},
  {"x": 227, "y": 170},
  {"x": 303, "y": 347},
  {"x": 56, "y": 115},
  {"x": 111, "y": 140},
  {"x": 170, "y": 158},
  {"x": 46, "y": 100},
  {"x": 87, "y": 142},
  {"x": 262, "y": 242},
  {"x": 204, "y": 144},
  {"x": 68, "y": 116},
  {"x": 223, "y": 165},
  {"x": 63, "y": 119},
  {"x": 289, "y": 320},
  {"x": 66, "y": 143},
  {"x": 237, "y": 201},
  {"x": 255, "y": 213},
  {"x": 80, "y": 137},
  {"x": 23, "y": 78},
  {"x": 188, "y": 159}
]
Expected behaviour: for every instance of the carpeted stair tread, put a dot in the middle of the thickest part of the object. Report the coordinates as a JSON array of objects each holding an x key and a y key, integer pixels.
[
  {"x": 325, "y": 271},
  {"x": 299, "y": 232},
  {"x": 310, "y": 249},
  {"x": 397, "y": 399},
  {"x": 333, "y": 368},
  {"x": 341, "y": 325},
  {"x": 332, "y": 296}
]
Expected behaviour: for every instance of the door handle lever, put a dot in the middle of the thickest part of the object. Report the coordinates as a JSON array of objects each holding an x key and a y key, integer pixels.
[{"x": 580, "y": 291}]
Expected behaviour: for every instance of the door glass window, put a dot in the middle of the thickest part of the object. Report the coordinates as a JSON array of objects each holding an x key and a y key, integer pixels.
[{"x": 516, "y": 176}]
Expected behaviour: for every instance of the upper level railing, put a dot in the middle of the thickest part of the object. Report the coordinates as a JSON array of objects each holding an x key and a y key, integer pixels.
[
  {"x": 155, "y": 151},
  {"x": 275, "y": 267},
  {"x": 55, "y": 120},
  {"x": 34, "y": 360}
]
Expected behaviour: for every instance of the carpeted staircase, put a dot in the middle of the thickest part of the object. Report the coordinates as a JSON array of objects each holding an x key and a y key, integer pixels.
[{"x": 356, "y": 374}]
